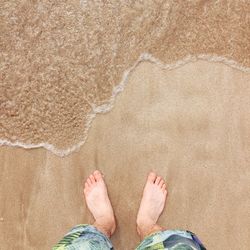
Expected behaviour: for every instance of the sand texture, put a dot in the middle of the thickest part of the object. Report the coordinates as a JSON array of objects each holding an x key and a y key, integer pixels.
[
  {"x": 190, "y": 124},
  {"x": 62, "y": 62}
]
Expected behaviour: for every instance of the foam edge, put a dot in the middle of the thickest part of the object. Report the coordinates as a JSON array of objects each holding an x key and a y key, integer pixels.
[{"x": 118, "y": 89}]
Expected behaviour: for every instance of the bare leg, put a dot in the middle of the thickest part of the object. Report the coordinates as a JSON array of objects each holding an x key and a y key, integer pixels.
[
  {"x": 98, "y": 202},
  {"x": 152, "y": 205}
]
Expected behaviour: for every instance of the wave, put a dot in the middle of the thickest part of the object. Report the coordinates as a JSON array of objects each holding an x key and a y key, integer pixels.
[{"x": 118, "y": 89}]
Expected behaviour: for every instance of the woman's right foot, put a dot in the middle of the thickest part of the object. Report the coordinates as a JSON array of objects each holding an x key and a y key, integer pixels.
[
  {"x": 98, "y": 202},
  {"x": 152, "y": 205}
]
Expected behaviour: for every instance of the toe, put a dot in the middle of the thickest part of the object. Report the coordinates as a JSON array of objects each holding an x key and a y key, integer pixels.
[
  {"x": 151, "y": 177},
  {"x": 86, "y": 190},
  {"x": 161, "y": 183},
  {"x": 92, "y": 178},
  {"x": 98, "y": 176},
  {"x": 158, "y": 180},
  {"x": 89, "y": 181},
  {"x": 164, "y": 187}
]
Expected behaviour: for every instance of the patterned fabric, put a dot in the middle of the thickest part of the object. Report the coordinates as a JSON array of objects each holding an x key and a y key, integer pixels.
[
  {"x": 87, "y": 237},
  {"x": 84, "y": 237},
  {"x": 171, "y": 240}
]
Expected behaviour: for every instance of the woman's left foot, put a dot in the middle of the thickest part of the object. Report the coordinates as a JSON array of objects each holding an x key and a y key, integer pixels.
[{"x": 98, "y": 202}]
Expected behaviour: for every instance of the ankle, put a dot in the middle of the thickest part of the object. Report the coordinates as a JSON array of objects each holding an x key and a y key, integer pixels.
[
  {"x": 107, "y": 227},
  {"x": 144, "y": 229}
]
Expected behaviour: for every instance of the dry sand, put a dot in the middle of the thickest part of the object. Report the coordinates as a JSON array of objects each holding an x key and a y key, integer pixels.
[{"x": 191, "y": 125}]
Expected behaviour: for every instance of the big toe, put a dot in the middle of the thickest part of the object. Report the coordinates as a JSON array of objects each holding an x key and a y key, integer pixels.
[
  {"x": 151, "y": 177},
  {"x": 98, "y": 175}
]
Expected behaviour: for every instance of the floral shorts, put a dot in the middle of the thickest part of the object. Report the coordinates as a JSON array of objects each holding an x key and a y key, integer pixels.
[{"x": 87, "y": 237}]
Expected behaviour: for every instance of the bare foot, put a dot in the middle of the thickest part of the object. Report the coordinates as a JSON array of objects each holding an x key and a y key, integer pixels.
[
  {"x": 98, "y": 202},
  {"x": 152, "y": 204}
]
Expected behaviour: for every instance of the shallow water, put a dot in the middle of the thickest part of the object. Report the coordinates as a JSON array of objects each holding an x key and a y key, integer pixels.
[{"x": 64, "y": 62}]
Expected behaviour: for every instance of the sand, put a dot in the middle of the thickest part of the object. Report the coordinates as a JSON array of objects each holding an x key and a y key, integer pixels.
[
  {"x": 62, "y": 62},
  {"x": 190, "y": 124}
]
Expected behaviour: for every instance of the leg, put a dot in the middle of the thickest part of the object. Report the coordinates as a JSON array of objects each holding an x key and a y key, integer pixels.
[
  {"x": 96, "y": 236},
  {"x": 152, "y": 234}
]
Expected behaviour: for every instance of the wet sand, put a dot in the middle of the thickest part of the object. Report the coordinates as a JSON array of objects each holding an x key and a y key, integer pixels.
[
  {"x": 191, "y": 125},
  {"x": 64, "y": 61}
]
